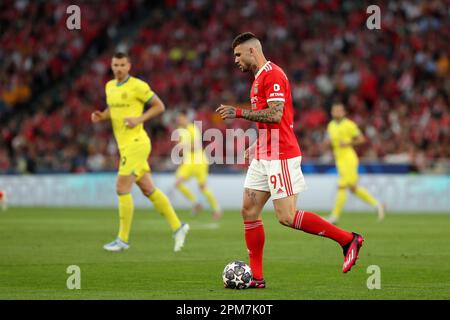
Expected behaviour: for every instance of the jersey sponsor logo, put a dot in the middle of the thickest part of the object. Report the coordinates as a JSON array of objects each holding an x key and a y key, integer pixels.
[
  {"x": 254, "y": 102},
  {"x": 119, "y": 105},
  {"x": 276, "y": 87},
  {"x": 276, "y": 94}
]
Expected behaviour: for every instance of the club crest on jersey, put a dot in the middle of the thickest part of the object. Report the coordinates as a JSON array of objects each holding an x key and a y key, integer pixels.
[{"x": 124, "y": 96}]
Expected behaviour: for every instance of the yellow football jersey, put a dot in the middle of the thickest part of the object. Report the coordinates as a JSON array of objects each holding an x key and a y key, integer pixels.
[
  {"x": 343, "y": 131},
  {"x": 125, "y": 100},
  {"x": 192, "y": 137}
]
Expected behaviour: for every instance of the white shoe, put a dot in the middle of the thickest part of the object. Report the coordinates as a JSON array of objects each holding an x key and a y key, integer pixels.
[
  {"x": 179, "y": 236},
  {"x": 381, "y": 211},
  {"x": 3, "y": 201},
  {"x": 332, "y": 219},
  {"x": 116, "y": 246}
]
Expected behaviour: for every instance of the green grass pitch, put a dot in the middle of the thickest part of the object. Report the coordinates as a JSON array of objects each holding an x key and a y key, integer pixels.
[{"x": 38, "y": 244}]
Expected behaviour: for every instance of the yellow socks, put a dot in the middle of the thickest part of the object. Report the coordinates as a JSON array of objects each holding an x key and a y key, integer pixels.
[
  {"x": 192, "y": 198},
  {"x": 126, "y": 208},
  {"x": 164, "y": 207},
  {"x": 211, "y": 198},
  {"x": 187, "y": 193},
  {"x": 341, "y": 198},
  {"x": 364, "y": 195}
]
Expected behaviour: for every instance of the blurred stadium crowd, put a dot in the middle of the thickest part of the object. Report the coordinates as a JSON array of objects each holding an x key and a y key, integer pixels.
[{"x": 395, "y": 81}]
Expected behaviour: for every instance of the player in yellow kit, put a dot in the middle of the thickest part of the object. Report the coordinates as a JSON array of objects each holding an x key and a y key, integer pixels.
[
  {"x": 126, "y": 97},
  {"x": 195, "y": 165},
  {"x": 343, "y": 135}
]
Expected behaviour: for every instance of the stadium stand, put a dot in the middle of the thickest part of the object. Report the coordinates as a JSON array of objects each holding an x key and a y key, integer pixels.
[{"x": 395, "y": 81}]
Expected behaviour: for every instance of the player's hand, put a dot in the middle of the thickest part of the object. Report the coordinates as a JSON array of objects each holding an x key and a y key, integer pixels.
[
  {"x": 132, "y": 122},
  {"x": 249, "y": 153},
  {"x": 226, "y": 112},
  {"x": 96, "y": 116},
  {"x": 345, "y": 144}
]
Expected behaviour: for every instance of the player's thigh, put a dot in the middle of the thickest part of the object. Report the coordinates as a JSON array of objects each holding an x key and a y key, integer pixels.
[
  {"x": 124, "y": 184},
  {"x": 348, "y": 175},
  {"x": 146, "y": 184},
  {"x": 256, "y": 190},
  {"x": 253, "y": 204},
  {"x": 201, "y": 175},
  {"x": 285, "y": 178},
  {"x": 134, "y": 160},
  {"x": 285, "y": 209},
  {"x": 184, "y": 172},
  {"x": 256, "y": 178}
]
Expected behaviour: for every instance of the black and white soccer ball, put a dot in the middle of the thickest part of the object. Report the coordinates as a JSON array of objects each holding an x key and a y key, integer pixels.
[{"x": 237, "y": 275}]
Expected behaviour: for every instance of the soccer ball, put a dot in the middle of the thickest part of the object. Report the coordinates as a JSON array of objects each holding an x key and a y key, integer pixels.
[{"x": 237, "y": 275}]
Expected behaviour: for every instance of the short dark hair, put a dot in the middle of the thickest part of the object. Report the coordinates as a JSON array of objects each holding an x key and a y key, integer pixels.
[
  {"x": 121, "y": 55},
  {"x": 243, "y": 37}
]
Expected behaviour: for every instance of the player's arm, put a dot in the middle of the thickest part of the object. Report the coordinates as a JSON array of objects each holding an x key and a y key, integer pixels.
[
  {"x": 275, "y": 91},
  {"x": 250, "y": 151},
  {"x": 356, "y": 141},
  {"x": 156, "y": 107},
  {"x": 98, "y": 115},
  {"x": 272, "y": 114},
  {"x": 357, "y": 137}
]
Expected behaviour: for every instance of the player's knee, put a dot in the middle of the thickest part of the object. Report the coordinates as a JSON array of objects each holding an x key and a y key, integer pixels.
[
  {"x": 284, "y": 218},
  {"x": 121, "y": 190},
  {"x": 352, "y": 189},
  {"x": 248, "y": 214},
  {"x": 178, "y": 182},
  {"x": 147, "y": 190},
  {"x": 286, "y": 221}
]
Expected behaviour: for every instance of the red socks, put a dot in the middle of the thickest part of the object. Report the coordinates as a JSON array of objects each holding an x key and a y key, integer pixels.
[
  {"x": 313, "y": 223},
  {"x": 255, "y": 238},
  {"x": 306, "y": 221}
]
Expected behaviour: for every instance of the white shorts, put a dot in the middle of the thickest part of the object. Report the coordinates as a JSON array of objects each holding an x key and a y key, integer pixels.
[{"x": 282, "y": 178}]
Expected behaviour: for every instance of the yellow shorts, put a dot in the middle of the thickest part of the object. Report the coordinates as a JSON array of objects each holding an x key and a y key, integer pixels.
[
  {"x": 196, "y": 170},
  {"x": 348, "y": 174},
  {"x": 133, "y": 160}
]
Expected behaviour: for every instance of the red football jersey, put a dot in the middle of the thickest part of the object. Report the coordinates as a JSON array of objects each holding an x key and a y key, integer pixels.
[{"x": 275, "y": 140}]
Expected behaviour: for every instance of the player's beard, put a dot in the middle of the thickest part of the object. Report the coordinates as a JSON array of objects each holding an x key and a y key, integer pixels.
[{"x": 244, "y": 68}]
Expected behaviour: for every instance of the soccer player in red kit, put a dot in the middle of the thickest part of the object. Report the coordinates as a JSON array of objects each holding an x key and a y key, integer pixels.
[
  {"x": 3, "y": 203},
  {"x": 275, "y": 170}
]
